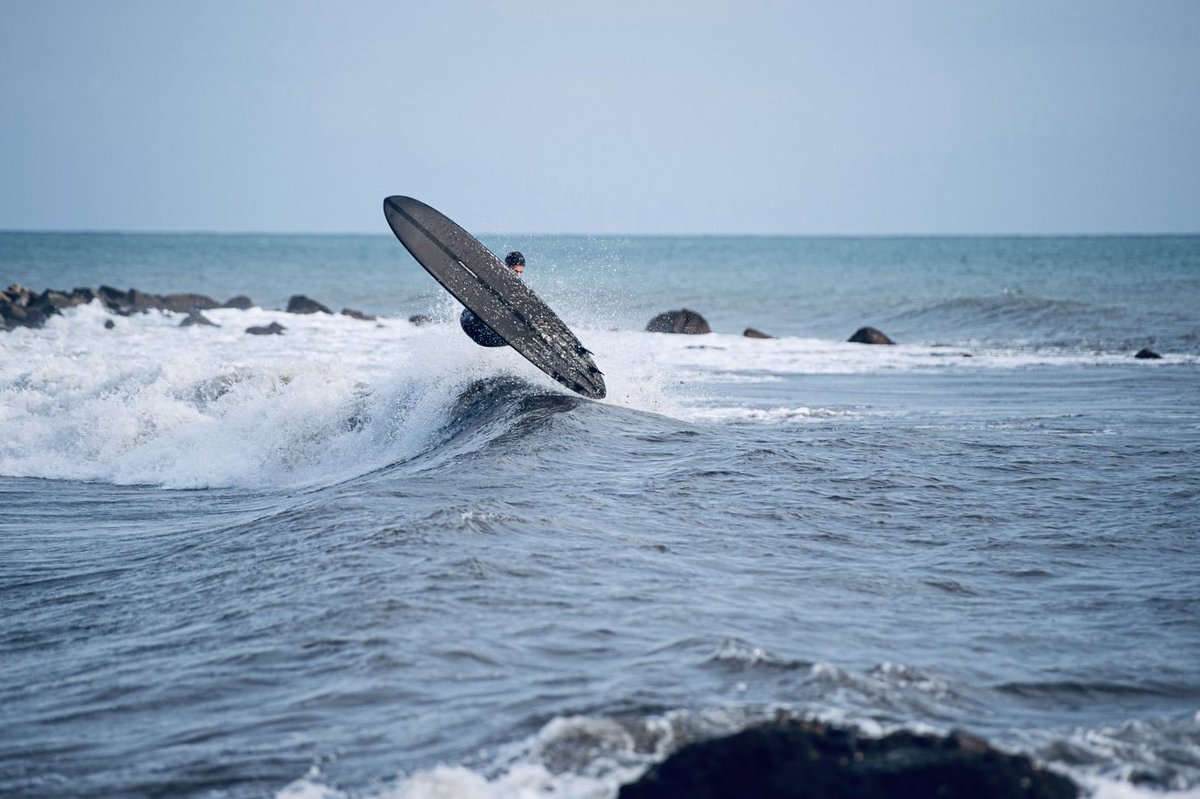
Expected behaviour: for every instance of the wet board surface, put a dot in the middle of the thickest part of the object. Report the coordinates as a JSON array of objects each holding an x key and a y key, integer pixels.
[{"x": 480, "y": 281}]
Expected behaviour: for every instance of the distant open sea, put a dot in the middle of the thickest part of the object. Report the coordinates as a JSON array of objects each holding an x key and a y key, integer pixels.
[{"x": 372, "y": 559}]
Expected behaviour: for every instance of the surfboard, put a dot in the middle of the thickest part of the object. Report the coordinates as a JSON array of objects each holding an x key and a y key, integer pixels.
[{"x": 490, "y": 290}]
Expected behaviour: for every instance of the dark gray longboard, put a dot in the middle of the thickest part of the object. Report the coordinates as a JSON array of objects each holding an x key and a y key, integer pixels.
[{"x": 481, "y": 282}]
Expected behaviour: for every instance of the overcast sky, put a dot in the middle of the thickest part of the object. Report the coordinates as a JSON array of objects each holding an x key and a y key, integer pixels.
[{"x": 620, "y": 116}]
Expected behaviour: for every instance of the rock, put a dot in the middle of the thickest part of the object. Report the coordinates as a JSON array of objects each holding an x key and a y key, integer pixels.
[
  {"x": 1145, "y": 353},
  {"x": 20, "y": 307},
  {"x": 11, "y": 314},
  {"x": 197, "y": 318},
  {"x": 273, "y": 329},
  {"x": 353, "y": 314},
  {"x": 111, "y": 294},
  {"x": 419, "y": 319},
  {"x": 82, "y": 296},
  {"x": 114, "y": 299},
  {"x": 57, "y": 299},
  {"x": 752, "y": 333},
  {"x": 301, "y": 304},
  {"x": 187, "y": 303},
  {"x": 141, "y": 301},
  {"x": 682, "y": 321},
  {"x": 109, "y": 324},
  {"x": 240, "y": 302},
  {"x": 869, "y": 335},
  {"x": 18, "y": 294},
  {"x": 805, "y": 759},
  {"x": 13, "y": 298}
]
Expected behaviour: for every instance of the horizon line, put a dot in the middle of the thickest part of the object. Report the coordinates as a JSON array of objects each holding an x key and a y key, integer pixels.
[{"x": 386, "y": 233}]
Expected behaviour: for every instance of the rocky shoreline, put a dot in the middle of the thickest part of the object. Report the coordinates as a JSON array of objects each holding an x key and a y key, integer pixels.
[{"x": 21, "y": 307}]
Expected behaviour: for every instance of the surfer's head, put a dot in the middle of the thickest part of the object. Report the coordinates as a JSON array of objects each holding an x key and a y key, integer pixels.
[{"x": 515, "y": 261}]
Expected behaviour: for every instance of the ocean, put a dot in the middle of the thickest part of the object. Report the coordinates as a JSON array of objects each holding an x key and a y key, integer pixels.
[{"x": 372, "y": 559}]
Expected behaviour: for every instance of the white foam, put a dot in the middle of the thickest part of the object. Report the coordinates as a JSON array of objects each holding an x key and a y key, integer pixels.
[
  {"x": 150, "y": 402},
  {"x": 728, "y": 357},
  {"x": 1105, "y": 788},
  {"x": 571, "y": 757},
  {"x": 590, "y": 757}
]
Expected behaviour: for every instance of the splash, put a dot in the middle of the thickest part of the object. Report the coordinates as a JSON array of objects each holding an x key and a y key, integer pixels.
[
  {"x": 143, "y": 401},
  {"x": 148, "y": 402}
]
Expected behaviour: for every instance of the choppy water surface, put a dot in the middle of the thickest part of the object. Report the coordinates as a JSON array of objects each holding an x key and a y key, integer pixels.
[{"x": 373, "y": 560}]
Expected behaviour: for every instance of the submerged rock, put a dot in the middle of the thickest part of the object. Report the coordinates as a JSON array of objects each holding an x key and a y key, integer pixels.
[
  {"x": 301, "y": 304},
  {"x": 273, "y": 329},
  {"x": 353, "y": 314},
  {"x": 795, "y": 758},
  {"x": 1145, "y": 353},
  {"x": 752, "y": 333},
  {"x": 684, "y": 320},
  {"x": 869, "y": 335},
  {"x": 197, "y": 318},
  {"x": 419, "y": 319}
]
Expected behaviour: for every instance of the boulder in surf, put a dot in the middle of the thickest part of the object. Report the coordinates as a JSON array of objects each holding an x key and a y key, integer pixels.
[
  {"x": 685, "y": 321},
  {"x": 301, "y": 304},
  {"x": 870, "y": 335}
]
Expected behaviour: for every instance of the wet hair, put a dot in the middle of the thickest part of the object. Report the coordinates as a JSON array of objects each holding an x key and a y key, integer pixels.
[{"x": 514, "y": 258}]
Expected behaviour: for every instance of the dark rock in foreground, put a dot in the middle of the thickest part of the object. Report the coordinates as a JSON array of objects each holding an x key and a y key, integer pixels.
[
  {"x": 752, "y": 333},
  {"x": 273, "y": 329},
  {"x": 869, "y": 335},
  {"x": 1145, "y": 353},
  {"x": 684, "y": 320},
  {"x": 795, "y": 759},
  {"x": 301, "y": 304}
]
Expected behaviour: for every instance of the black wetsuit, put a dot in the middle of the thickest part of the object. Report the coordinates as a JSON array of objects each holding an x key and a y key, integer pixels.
[{"x": 479, "y": 332}]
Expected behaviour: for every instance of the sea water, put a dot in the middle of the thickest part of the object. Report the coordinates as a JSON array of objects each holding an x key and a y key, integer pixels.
[{"x": 371, "y": 559}]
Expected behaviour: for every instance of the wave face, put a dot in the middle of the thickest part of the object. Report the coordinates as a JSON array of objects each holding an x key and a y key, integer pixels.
[{"x": 371, "y": 559}]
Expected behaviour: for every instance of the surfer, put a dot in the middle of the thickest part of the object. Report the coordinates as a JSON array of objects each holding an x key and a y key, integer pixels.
[
  {"x": 516, "y": 262},
  {"x": 474, "y": 327}
]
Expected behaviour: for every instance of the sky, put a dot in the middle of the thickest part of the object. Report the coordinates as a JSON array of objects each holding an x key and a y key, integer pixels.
[{"x": 621, "y": 117}]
